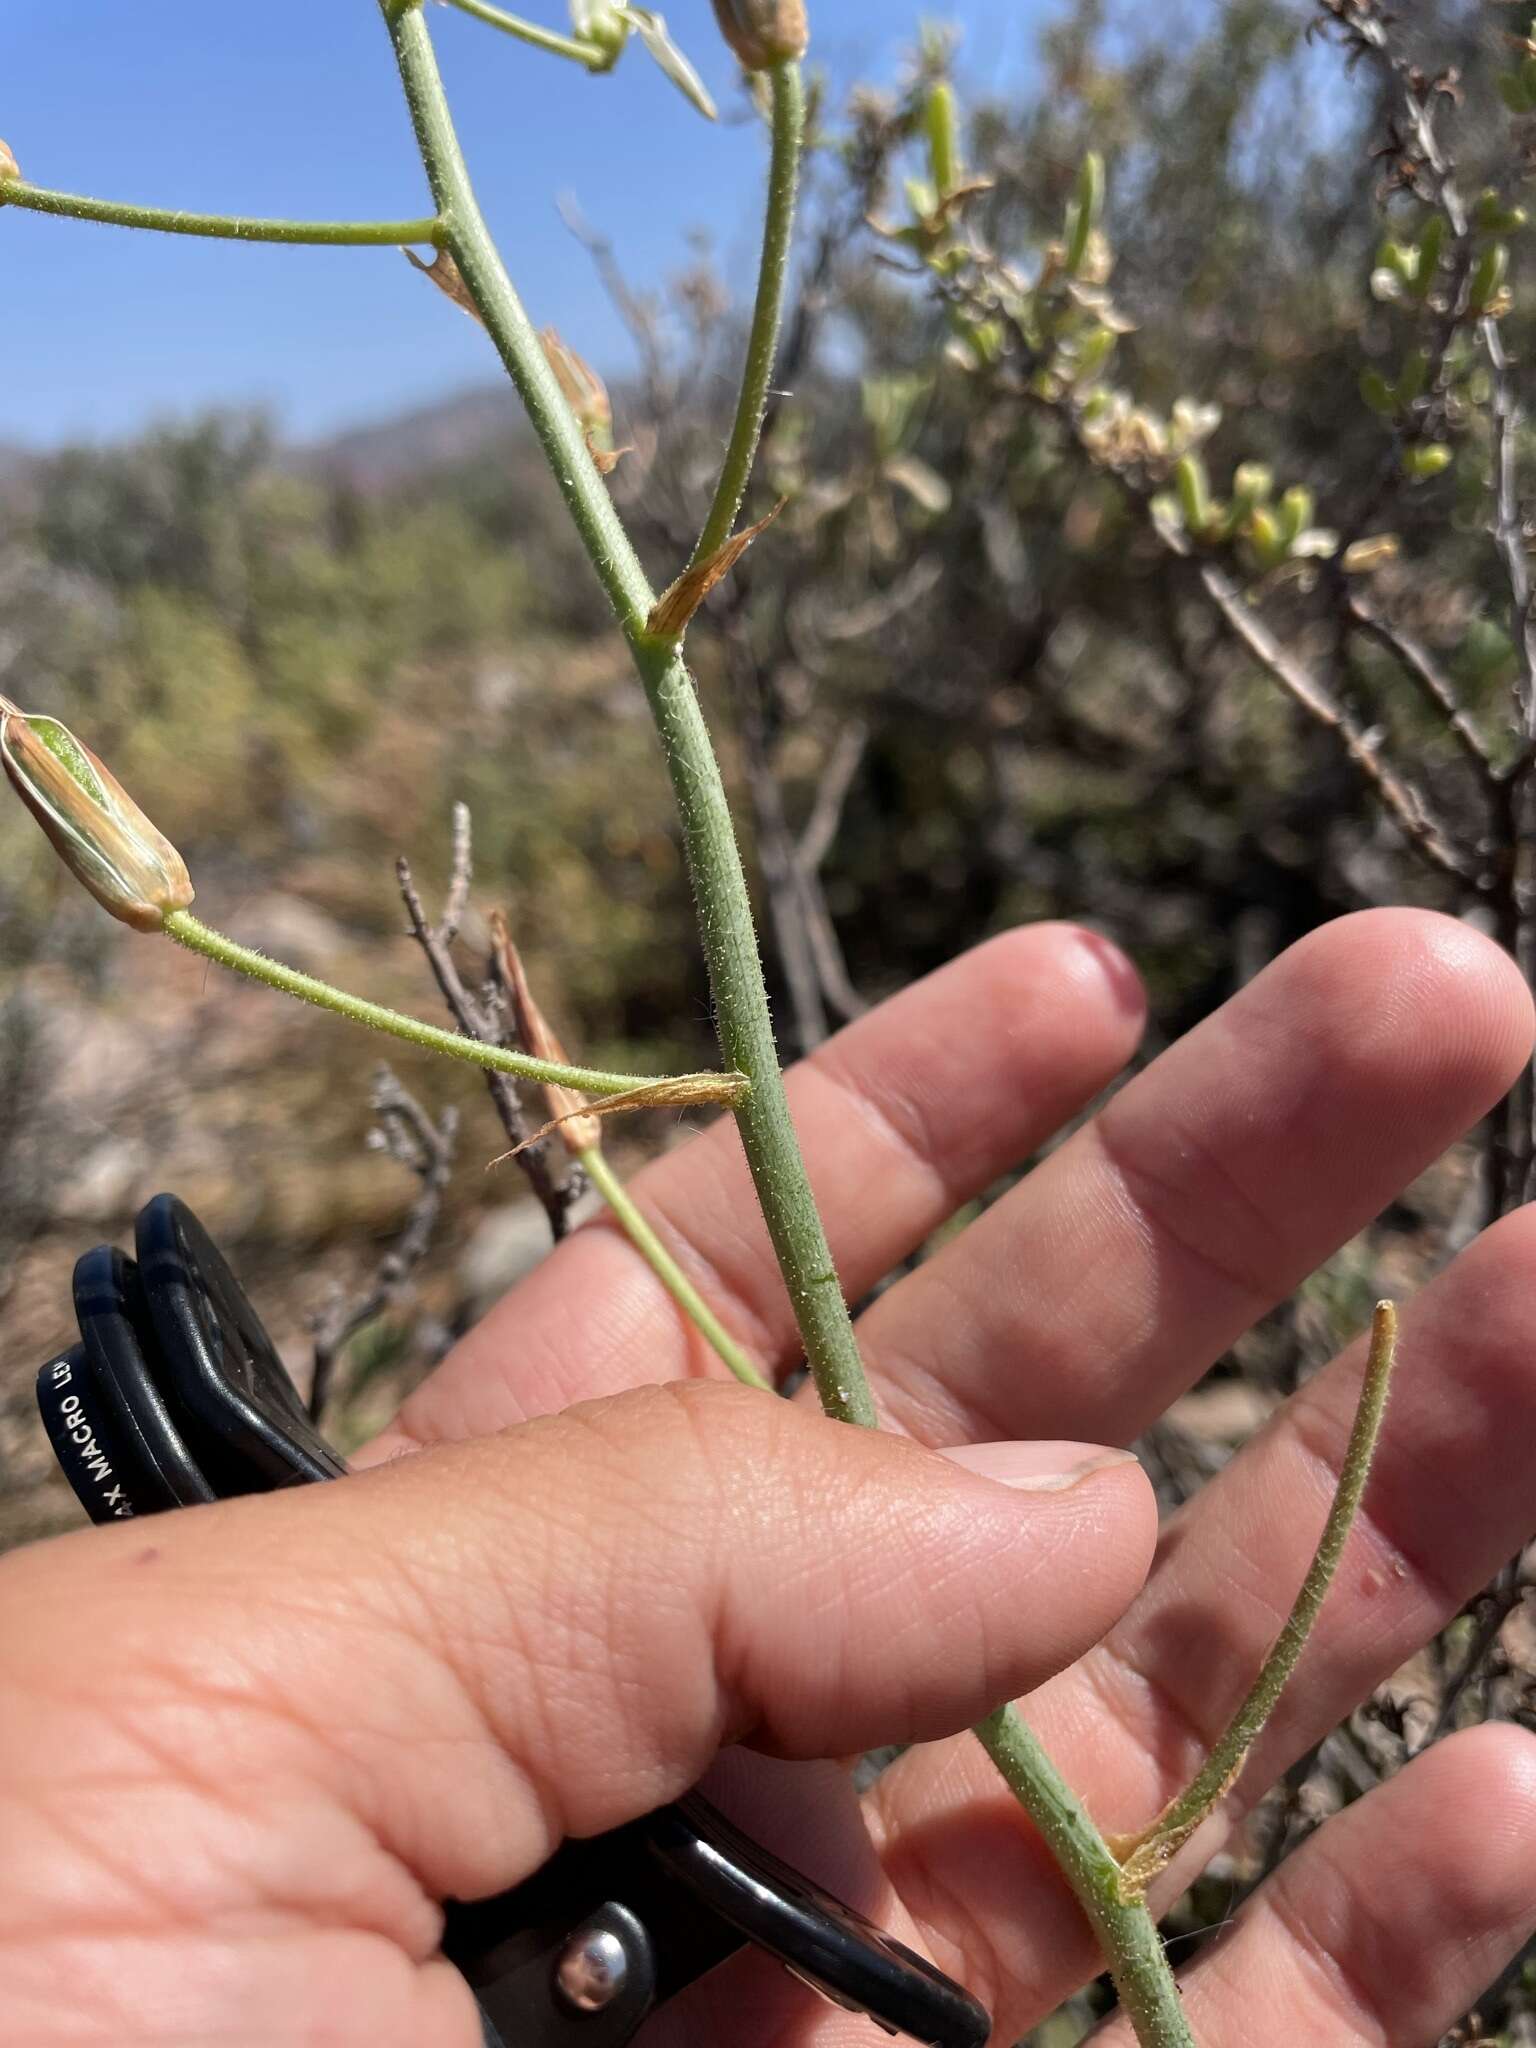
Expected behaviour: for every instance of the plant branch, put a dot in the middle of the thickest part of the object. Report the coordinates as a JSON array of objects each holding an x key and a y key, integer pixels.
[
  {"x": 590, "y": 54},
  {"x": 763, "y": 337},
  {"x": 1125, "y": 1929},
  {"x": 485, "y": 1021},
  {"x": 1397, "y": 796},
  {"x": 408, "y": 1134},
  {"x": 187, "y": 931},
  {"x": 714, "y": 860},
  {"x": 1150, "y": 1852},
  {"x": 631, "y": 1219},
  {"x": 222, "y": 227},
  {"x": 1415, "y": 658}
]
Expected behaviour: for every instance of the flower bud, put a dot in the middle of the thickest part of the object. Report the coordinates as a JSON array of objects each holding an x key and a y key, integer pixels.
[
  {"x": 95, "y": 827},
  {"x": 9, "y": 168},
  {"x": 764, "y": 32}
]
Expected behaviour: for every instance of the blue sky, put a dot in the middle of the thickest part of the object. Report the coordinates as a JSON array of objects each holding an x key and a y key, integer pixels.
[{"x": 293, "y": 108}]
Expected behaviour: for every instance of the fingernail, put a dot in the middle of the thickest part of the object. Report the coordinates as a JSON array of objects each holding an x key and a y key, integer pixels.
[{"x": 1038, "y": 1467}]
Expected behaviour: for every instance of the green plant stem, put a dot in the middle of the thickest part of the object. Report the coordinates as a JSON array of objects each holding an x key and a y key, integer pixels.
[
  {"x": 661, "y": 1262},
  {"x": 747, "y": 1044},
  {"x": 724, "y": 905},
  {"x": 465, "y": 235},
  {"x": 589, "y": 54},
  {"x": 1150, "y": 1852},
  {"x": 763, "y": 338},
  {"x": 188, "y": 931},
  {"x": 222, "y": 227},
  {"x": 730, "y": 946},
  {"x": 1126, "y": 1931}
]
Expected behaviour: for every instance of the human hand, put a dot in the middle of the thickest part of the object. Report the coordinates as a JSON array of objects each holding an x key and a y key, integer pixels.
[
  {"x": 1084, "y": 1303},
  {"x": 408, "y": 1685}
]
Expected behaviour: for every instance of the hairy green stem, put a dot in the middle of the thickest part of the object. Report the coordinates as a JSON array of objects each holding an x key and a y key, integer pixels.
[
  {"x": 188, "y": 931},
  {"x": 632, "y": 1220},
  {"x": 747, "y": 1044},
  {"x": 714, "y": 860},
  {"x": 1126, "y": 1931},
  {"x": 763, "y": 338},
  {"x": 222, "y": 227},
  {"x": 466, "y": 235},
  {"x": 1150, "y": 1852},
  {"x": 589, "y": 54}
]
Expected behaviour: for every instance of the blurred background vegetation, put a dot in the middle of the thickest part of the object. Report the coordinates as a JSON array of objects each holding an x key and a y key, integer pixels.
[{"x": 959, "y": 684}]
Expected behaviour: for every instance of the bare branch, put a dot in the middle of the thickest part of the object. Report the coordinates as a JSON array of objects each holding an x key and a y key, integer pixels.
[
  {"x": 1398, "y": 796},
  {"x": 837, "y": 777},
  {"x": 477, "y": 1020},
  {"x": 408, "y": 1134},
  {"x": 457, "y": 899},
  {"x": 1415, "y": 658}
]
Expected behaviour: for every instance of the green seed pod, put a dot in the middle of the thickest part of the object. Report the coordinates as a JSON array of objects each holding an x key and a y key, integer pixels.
[
  {"x": 92, "y": 823},
  {"x": 1431, "y": 244},
  {"x": 1295, "y": 513},
  {"x": 1252, "y": 483},
  {"x": 1083, "y": 213},
  {"x": 1264, "y": 538},
  {"x": 1488, "y": 278},
  {"x": 943, "y": 153},
  {"x": 764, "y": 32},
  {"x": 1194, "y": 489}
]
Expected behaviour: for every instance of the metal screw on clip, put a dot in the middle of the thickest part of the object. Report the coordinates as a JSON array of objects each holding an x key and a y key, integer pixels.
[{"x": 593, "y": 1968}]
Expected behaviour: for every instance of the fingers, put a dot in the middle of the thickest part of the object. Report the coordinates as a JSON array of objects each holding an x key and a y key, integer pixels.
[
  {"x": 473, "y": 1652},
  {"x": 1379, "y": 1933},
  {"x": 1389, "y": 1923},
  {"x": 1448, "y": 1500},
  {"x": 1208, "y": 1188},
  {"x": 903, "y": 1116}
]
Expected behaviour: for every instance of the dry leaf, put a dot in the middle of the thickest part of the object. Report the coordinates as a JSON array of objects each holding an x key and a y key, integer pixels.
[
  {"x": 686, "y": 1091},
  {"x": 680, "y": 600},
  {"x": 607, "y": 460},
  {"x": 568, "y": 1107},
  {"x": 448, "y": 278}
]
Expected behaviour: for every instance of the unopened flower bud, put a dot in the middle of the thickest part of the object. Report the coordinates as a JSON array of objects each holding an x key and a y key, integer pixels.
[
  {"x": 764, "y": 32},
  {"x": 96, "y": 828},
  {"x": 9, "y": 168}
]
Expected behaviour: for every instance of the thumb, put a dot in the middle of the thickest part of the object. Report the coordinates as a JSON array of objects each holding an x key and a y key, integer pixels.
[{"x": 480, "y": 1648}]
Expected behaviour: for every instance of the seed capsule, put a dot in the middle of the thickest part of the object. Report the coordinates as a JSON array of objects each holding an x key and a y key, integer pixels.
[
  {"x": 764, "y": 32},
  {"x": 94, "y": 826}
]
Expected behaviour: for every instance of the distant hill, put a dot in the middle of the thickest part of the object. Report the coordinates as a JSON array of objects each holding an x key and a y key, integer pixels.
[{"x": 409, "y": 444}]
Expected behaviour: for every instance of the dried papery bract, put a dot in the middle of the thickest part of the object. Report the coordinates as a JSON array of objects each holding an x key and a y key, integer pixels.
[
  {"x": 568, "y": 1109},
  {"x": 764, "y": 32},
  {"x": 94, "y": 826},
  {"x": 587, "y": 395}
]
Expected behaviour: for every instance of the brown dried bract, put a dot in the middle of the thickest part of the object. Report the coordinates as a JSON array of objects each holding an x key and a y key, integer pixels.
[
  {"x": 449, "y": 279},
  {"x": 680, "y": 600}
]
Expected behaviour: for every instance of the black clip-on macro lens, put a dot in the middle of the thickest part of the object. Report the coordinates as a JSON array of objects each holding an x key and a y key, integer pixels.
[{"x": 175, "y": 1395}]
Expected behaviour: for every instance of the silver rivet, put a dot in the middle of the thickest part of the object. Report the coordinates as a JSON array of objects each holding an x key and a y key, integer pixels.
[{"x": 592, "y": 1968}]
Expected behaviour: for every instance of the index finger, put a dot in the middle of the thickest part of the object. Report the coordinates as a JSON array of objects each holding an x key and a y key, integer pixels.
[{"x": 903, "y": 1117}]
